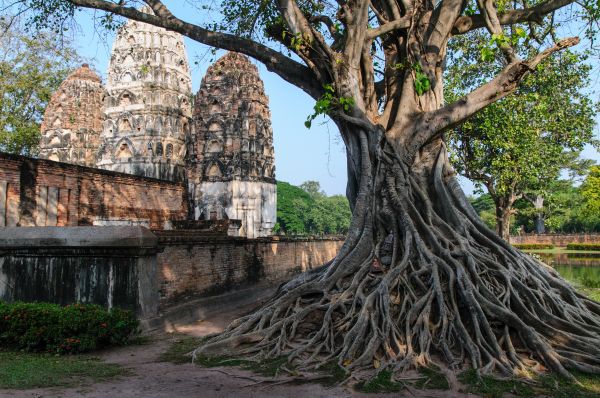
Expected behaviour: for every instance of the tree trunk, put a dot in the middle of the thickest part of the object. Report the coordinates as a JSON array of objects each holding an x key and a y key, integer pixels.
[
  {"x": 420, "y": 278},
  {"x": 538, "y": 204},
  {"x": 503, "y": 213}
]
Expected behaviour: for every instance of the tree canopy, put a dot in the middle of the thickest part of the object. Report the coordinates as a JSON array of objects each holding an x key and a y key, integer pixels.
[
  {"x": 520, "y": 144},
  {"x": 307, "y": 210},
  {"x": 31, "y": 70},
  {"x": 590, "y": 190}
]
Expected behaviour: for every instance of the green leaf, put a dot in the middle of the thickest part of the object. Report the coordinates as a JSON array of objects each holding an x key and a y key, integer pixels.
[{"x": 487, "y": 54}]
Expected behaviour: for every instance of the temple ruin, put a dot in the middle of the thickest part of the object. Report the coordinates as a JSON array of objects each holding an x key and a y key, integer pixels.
[
  {"x": 148, "y": 107},
  {"x": 73, "y": 119},
  {"x": 232, "y": 160},
  {"x": 141, "y": 123}
]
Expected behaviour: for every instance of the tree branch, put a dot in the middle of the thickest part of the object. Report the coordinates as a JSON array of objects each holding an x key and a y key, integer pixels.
[
  {"x": 436, "y": 122},
  {"x": 402, "y": 23},
  {"x": 290, "y": 70},
  {"x": 536, "y": 14}
]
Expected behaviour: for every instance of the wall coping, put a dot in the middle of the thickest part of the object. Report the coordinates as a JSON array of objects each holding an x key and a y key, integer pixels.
[
  {"x": 89, "y": 170},
  {"x": 191, "y": 236},
  {"x": 117, "y": 237}
]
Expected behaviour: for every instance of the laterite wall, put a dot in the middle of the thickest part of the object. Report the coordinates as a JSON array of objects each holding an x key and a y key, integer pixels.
[
  {"x": 36, "y": 192},
  {"x": 192, "y": 265},
  {"x": 559, "y": 240}
]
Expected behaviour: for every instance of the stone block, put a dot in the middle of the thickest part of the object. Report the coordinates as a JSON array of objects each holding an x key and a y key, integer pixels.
[
  {"x": 41, "y": 205},
  {"x": 52, "y": 207},
  {"x": 3, "y": 192}
]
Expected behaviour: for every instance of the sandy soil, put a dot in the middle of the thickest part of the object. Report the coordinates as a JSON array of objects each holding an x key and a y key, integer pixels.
[{"x": 153, "y": 379}]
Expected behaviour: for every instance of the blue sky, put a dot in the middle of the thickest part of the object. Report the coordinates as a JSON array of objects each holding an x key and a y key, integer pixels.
[{"x": 301, "y": 154}]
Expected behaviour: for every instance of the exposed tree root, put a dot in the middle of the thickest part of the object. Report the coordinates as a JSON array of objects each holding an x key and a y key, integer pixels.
[{"x": 421, "y": 277}]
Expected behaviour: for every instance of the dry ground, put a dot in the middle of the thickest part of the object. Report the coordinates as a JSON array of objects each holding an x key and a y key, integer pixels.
[{"x": 154, "y": 379}]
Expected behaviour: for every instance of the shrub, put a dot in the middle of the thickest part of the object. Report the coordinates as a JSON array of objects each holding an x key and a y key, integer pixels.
[
  {"x": 71, "y": 329},
  {"x": 583, "y": 246},
  {"x": 534, "y": 246}
]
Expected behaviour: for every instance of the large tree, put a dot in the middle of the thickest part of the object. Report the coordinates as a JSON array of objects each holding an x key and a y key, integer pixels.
[
  {"x": 518, "y": 146},
  {"x": 31, "y": 69},
  {"x": 452, "y": 291}
]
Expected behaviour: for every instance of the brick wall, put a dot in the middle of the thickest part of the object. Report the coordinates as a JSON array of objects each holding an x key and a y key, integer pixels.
[
  {"x": 560, "y": 240},
  {"x": 36, "y": 192},
  {"x": 193, "y": 265}
]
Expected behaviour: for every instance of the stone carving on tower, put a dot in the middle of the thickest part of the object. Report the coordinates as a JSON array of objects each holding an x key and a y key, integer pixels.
[
  {"x": 148, "y": 107},
  {"x": 231, "y": 159},
  {"x": 72, "y": 123}
]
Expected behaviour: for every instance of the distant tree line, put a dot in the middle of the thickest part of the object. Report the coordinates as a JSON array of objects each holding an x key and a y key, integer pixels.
[
  {"x": 566, "y": 209},
  {"x": 307, "y": 210}
]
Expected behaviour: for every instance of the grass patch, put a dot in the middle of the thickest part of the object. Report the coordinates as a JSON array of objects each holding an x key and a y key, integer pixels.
[
  {"x": 490, "y": 387},
  {"x": 546, "y": 385},
  {"x": 594, "y": 294},
  {"x": 19, "y": 370},
  {"x": 180, "y": 347},
  {"x": 381, "y": 383},
  {"x": 336, "y": 372},
  {"x": 433, "y": 379}
]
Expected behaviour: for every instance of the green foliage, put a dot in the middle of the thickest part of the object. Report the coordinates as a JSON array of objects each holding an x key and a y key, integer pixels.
[
  {"x": 590, "y": 191},
  {"x": 31, "y": 69},
  {"x": 487, "y": 51},
  {"x": 422, "y": 83},
  {"x": 329, "y": 216},
  {"x": 521, "y": 143},
  {"x": 313, "y": 189},
  {"x": 328, "y": 103},
  {"x": 484, "y": 206},
  {"x": 583, "y": 246},
  {"x": 50, "y": 14},
  {"x": 307, "y": 210},
  {"x": 292, "y": 206},
  {"x": 75, "y": 328},
  {"x": 21, "y": 370}
]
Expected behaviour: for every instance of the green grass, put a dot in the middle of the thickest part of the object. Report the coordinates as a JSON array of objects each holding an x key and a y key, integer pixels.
[
  {"x": 381, "y": 383},
  {"x": 20, "y": 370},
  {"x": 490, "y": 387},
  {"x": 433, "y": 379},
  {"x": 592, "y": 293},
  {"x": 548, "y": 385},
  {"x": 177, "y": 351}
]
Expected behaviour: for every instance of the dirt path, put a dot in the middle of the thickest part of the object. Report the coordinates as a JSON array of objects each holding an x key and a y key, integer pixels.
[{"x": 153, "y": 379}]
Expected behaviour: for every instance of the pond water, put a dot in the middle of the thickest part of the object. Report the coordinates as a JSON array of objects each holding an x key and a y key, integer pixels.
[{"x": 582, "y": 269}]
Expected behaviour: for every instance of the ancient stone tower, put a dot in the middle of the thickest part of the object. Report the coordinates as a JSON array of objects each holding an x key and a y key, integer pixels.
[
  {"x": 73, "y": 120},
  {"x": 148, "y": 107},
  {"x": 232, "y": 161}
]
